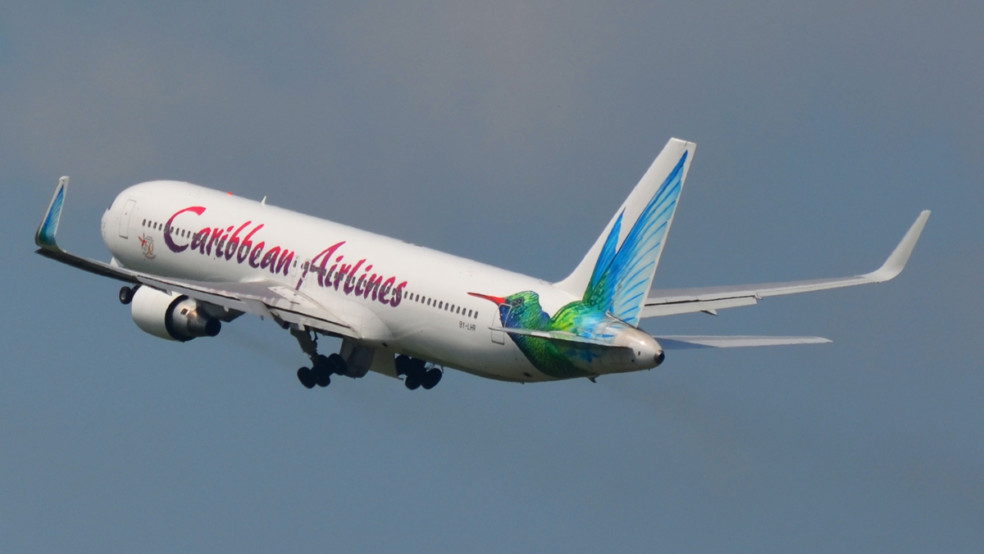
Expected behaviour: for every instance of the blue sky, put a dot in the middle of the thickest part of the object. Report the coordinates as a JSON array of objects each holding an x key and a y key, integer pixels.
[{"x": 507, "y": 132}]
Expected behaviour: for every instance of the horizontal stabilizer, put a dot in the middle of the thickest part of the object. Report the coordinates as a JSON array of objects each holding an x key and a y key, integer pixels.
[
  {"x": 683, "y": 342},
  {"x": 560, "y": 336}
]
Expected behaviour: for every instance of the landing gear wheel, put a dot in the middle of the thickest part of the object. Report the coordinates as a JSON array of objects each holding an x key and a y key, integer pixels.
[
  {"x": 337, "y": 365},
  {"x": 306, "y": 377},
  {"x": 321, "y": 375},
  {"x": 412, "y": 382},
  {"x": 126, "y": 294},
  {"x": 402, "y": 364},
  {"x": 431, "y": 378}
]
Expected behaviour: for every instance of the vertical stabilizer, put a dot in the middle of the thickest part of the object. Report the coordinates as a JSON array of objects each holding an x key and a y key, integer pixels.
[{"x": 618, "y": 270}]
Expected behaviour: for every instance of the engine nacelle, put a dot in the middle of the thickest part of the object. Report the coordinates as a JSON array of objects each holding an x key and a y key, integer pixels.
[{"x": 171, "y": 316}]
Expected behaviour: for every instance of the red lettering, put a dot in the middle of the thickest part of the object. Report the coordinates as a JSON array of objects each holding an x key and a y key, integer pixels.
[
  {"x": 255, "y": 254},
  {"x": 269, "y": 258},
  {"x": 349, "y": 285},
  {"x": 233, "y": 245},
  {"x": 342, "y": 272},
  {"x": 398, "y": 294},
  {"x": 373, "y": 287},
  {"x": 247, "y": 245},
  {"x": 230, "y": 244},
  {"x": 199, "y": 239},
  {"x": 325, "y": 256},
  {"x": 173, "y": 246},
  {"x": 385, "y": 290},
  {"x": 216, "y": 233},
  {"x": 283, "y": 264}
]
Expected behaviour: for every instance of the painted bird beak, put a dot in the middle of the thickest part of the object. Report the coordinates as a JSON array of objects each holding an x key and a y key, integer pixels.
[{"x": 499, "y": 300}]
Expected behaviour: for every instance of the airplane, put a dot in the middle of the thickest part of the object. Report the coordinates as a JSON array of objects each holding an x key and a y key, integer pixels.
[{"x": 194, "y": 258}]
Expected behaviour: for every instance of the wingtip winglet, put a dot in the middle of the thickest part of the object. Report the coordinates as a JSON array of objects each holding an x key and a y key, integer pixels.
[
  {"x": 896, "y": 262},
  {"x": 48, "y": 229}
]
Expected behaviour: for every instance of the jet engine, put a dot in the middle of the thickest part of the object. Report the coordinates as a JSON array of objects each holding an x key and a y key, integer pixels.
[{"x": 171, "y": 316}]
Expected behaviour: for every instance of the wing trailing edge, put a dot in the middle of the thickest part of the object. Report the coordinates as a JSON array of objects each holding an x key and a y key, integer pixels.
[{"x": 710, "y": 299}]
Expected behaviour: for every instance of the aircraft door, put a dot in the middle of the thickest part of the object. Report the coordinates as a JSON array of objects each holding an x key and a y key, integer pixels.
[{"x": 125, "y": 218}]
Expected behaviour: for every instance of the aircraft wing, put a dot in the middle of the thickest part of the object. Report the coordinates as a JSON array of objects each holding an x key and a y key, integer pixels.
[
  {"x": 261, "y": 298},
  {"x": 710, "y": 299}
]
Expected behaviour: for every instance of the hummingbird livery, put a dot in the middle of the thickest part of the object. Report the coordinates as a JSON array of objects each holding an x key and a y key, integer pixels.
[{"x": 613, "y": 297}]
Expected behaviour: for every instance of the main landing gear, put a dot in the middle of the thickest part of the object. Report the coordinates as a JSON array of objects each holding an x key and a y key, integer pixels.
[
  {"x": 355, "y": 361},
  {"x": 417, "y": 374},
  {"x": 322, "y": 367},
  {"x": 321, "y": 371}
]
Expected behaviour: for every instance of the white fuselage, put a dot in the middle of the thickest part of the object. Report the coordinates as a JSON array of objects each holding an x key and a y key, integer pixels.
[{"x": 416, "y": 298}]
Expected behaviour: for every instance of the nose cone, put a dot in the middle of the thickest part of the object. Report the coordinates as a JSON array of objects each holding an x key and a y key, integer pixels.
[{"x": 646, "y": 351}]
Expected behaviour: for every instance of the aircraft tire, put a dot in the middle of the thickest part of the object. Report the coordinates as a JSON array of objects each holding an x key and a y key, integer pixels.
[
  {"x": 402, "y": 363},
  {"x": 431, "y": 378},
  {"x": 336, "y": 364},
  {"x": 322, "y": 377},
  {"x": 306, "y": 377},
  {"x": 412, "y": 382},
  {"x": 126, "y": 295}
]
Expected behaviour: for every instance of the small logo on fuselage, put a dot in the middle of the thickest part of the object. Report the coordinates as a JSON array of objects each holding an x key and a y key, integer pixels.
[{"x": 147, "y": 245}]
